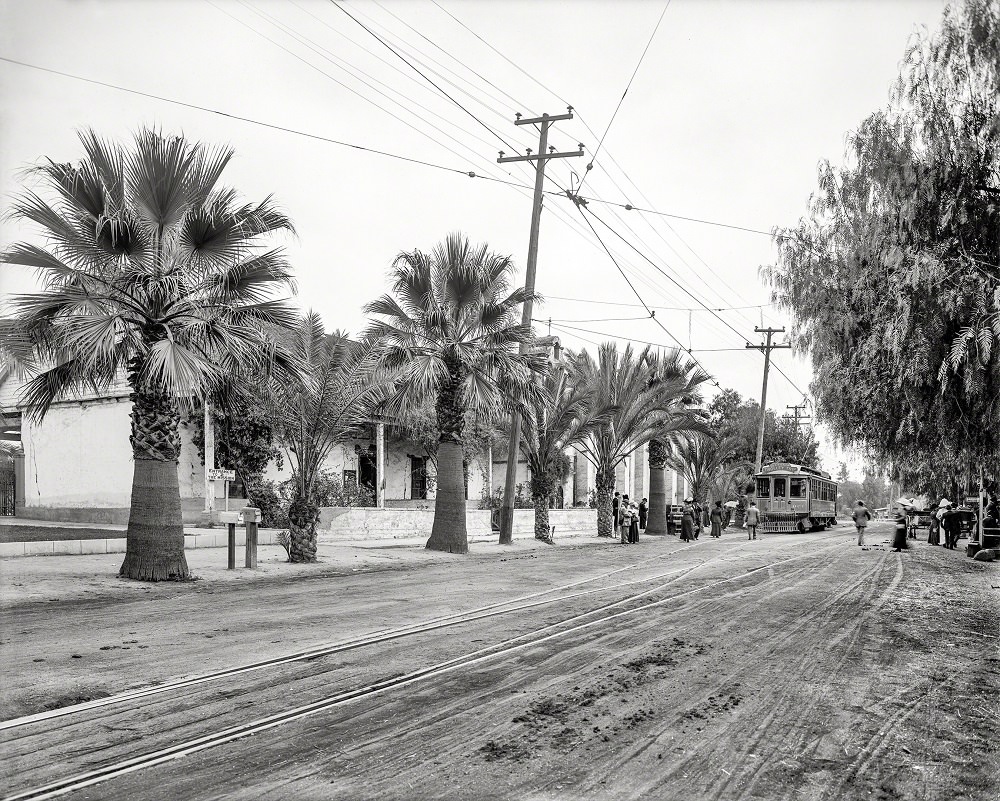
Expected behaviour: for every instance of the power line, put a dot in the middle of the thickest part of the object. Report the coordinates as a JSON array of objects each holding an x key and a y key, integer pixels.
[
  {"x": 622, "y": 98},
  {"x": 658, "y": 308},
  {"x": 563, "y": 325}
]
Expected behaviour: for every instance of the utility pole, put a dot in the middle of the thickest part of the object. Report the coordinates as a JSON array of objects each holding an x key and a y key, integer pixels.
[
  {"x": 544, "y": 154},
  {"x": 798, "y": 416},
  {"x": 767, "y": 347}
]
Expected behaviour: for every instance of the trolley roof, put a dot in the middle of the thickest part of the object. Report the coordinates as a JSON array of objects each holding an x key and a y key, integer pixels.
[{"x": 787, "y": 468}]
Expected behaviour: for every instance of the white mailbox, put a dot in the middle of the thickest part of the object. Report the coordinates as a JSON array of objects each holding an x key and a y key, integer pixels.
[{"x": 250, "y": 515}]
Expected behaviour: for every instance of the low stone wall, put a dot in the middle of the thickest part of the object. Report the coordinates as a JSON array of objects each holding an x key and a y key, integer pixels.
[{"x": 338, "y": 523}]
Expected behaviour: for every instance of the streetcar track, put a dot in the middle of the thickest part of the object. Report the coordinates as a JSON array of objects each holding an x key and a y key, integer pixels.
[
  {"x": 203, "y": 742},
  {"x": 375, "y": 637}
]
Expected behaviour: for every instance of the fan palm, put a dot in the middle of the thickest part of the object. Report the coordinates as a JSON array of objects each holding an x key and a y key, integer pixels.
[
  {"x": 153, "y": 271},
  {"x": 333, "y": 402},
  {"x": 558, "y": 418},
  {"x": 707, "y": 464},
  {"x": 450, "y": 332},
  {"x": 641, "y": 409}
]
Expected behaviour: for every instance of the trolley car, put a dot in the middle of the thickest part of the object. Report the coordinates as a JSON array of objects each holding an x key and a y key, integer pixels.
[{"x": 791, "y": 497}]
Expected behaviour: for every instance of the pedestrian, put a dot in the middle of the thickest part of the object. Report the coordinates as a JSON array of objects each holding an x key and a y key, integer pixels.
[
  {"x": 643, "y": 513},
  {"x": 951, "y": 522},
  {"x": 633, "y": 529},
  {"x": 753, "y": 517},
  {"x": 625, "y": 523},
  {"x": 934, "y": 529},
  {"x": 616, "y": 503},
  {"x": 861, "y": 517},
  {"x": 687, "y": 520},
  {"x": 699, "y": 519},
  {"x": 716, "y": 515},
  {"x": 901, "y": 535}
]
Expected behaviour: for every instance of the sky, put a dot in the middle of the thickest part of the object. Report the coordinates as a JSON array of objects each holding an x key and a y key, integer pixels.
[{"x": 731, "y": 107}]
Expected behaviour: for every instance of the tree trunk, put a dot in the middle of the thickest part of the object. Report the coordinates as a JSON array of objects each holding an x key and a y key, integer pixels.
[
  {"x": 302, "y": 518},
  {"x": 542, "y": 487},
  {"x": 154, "y": 545},
  {"x": 449, "y": 531},
  {"x": 605, "y": 488},
  {"x": 656, "y": 522}
]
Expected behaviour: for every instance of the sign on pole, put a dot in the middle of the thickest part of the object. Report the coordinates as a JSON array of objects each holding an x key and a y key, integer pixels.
[{"x": 219, "y": 474}]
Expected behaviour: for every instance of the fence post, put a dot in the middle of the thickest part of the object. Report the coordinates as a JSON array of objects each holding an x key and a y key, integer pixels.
[
  {"x": 251, "y": 517},
  {"x": 232, "y": 545}
]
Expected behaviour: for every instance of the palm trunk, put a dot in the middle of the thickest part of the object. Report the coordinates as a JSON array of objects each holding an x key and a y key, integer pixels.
[
  {"x": 449, "y": 532},
  {"x": 154, "y": 545},
  {"x": 541, "y": 494},
  {"x": 303, "y": 515},
  {"x": 656, "y": 523},
  {"x": 605, "y": 487}
]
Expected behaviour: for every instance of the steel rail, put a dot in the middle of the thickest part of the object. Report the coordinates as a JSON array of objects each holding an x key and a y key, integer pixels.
[
  {"x": 373, "y": 638},
  {"x": 204, "y": 742}
]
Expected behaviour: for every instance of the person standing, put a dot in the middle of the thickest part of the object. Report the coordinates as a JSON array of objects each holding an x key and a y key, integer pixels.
[
  {"x": 643, "y": 513},
  {"x": 753, "y": 518},
  {"x": 699, "y": 521},
  {"x": 687, "y": 521},
  {"x": 616, "y": 504},
  {"x": 900, "y": 536},
  {"x": 934, "y": 529},
  {"x": 952, "y": 525},
  {"x": 861, "y": 518},
  {"x": 625, "y": 522},
  {"x": 716, "y": 515},
  {"x": 633, "y": 529}
]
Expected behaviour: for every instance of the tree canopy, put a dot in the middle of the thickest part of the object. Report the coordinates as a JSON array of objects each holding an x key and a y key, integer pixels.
[{"x": 893, "y": 274}]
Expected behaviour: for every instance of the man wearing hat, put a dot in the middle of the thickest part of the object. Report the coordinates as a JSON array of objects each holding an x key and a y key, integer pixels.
[{"x": 861, "y": 517}]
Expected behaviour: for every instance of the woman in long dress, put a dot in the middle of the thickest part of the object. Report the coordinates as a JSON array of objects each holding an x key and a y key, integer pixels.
[
  {"x": 899, "y": 537},
  {"x": 934, "y": 530},
  {"x": 716, "y": 515},
  {"x": 687, "y": 522}
]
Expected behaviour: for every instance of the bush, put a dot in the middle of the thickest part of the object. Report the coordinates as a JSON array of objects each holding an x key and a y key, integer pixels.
[{"x": 522, "y": 499}]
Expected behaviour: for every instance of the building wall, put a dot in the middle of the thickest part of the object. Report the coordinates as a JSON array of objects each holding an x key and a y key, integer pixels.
[{"x": 78, "y": 463}]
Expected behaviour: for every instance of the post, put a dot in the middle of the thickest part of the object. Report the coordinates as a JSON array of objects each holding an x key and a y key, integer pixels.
[
  {"x": 767, "y": 347},
  {"x": 209, "y": 459},
  {"x": 250, "y": 518},
  {"x": 514, "y": 442},
  {"x": 232, "y": 545},
  {"x": 380, "y": 465},
  {"x": 489, "y": 469},
  {"x": 982, "y": 504}
]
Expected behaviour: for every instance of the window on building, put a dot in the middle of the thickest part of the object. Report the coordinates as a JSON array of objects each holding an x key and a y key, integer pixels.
[
  {"x": 763, "y": 488},
  {"x": 350, "y": 478},
  {"x": 779, "y": 488}
]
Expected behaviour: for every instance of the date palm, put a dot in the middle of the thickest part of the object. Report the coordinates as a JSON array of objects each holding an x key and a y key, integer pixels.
[
  {"x": 707, "y": 464},
  {"x": 450, "y": 331},
  {"x": 155, "y": 273},
  {"x": 331, "y": 403},
  {"x": 642, "y": 409},
  {"x": 558, "y": 418}
]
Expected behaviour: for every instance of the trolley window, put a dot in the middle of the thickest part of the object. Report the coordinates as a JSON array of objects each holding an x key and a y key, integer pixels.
[
  {"x": 763, "y": 488},
  {"x": 779, "y": 488},
  {"x": 797, "y": 488}
]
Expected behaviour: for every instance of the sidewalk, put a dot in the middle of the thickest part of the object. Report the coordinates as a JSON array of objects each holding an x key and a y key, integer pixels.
[{"x": 58, "y": 578}]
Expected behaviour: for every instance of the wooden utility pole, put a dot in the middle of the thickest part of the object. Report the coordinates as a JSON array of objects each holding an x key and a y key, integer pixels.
[
  {"x": 798, "y": 415},
  {"x": 540, "y": 158},
  {"x": 767, "y": 347}
]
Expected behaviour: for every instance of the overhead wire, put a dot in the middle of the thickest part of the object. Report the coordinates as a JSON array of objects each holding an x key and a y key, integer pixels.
[{"x": 622, "y": 98}]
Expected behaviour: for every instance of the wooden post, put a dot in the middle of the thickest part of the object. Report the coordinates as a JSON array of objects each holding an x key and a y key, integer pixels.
[
  {"x": 251, "y": 517},
  {"x": 232, "y": 545},
  {"x": 380, "y": 465}
]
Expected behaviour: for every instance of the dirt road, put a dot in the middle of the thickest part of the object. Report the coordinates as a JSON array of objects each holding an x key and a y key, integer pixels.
[{"x": 797, "y": 667}]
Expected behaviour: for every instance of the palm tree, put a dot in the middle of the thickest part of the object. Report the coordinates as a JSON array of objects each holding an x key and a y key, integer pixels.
[
  {"x": 707, "y": 464},
  {"x": 332, "y": 403},
  {"x": 154, "y": 272},
  {"x": 641, "y": 409},
  {"x": 560, "y": 417},
  {"x": 450, "y": 331}
]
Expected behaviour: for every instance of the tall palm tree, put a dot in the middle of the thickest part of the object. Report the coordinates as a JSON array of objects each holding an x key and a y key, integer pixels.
[
  {"x": 334, "y": 401},
  {"x": 560, "y": 417},
  {"x": 707, "y": 464},
  {"x": 641, "y": 409},
  {"x": 154, "y": 271},
  {"x": 450, "y": 331},
  {"x": 658, "y": 450}
]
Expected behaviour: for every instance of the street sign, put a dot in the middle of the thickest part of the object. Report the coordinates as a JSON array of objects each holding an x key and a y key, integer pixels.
[{"x": 218, "y": 474}]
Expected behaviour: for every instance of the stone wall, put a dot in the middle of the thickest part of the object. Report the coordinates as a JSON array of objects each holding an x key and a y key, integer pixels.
[{"x": 347, "y": 523}]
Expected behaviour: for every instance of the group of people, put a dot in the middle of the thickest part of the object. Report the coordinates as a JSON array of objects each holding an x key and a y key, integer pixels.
[
  {"x": 629, "y": 517},
  {"x": 945, "y": 521},
  {"x": 862, "y": 516}
]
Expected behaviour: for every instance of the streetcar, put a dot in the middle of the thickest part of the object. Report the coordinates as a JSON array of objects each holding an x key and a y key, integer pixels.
[{"x": 791, "y": 497}]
